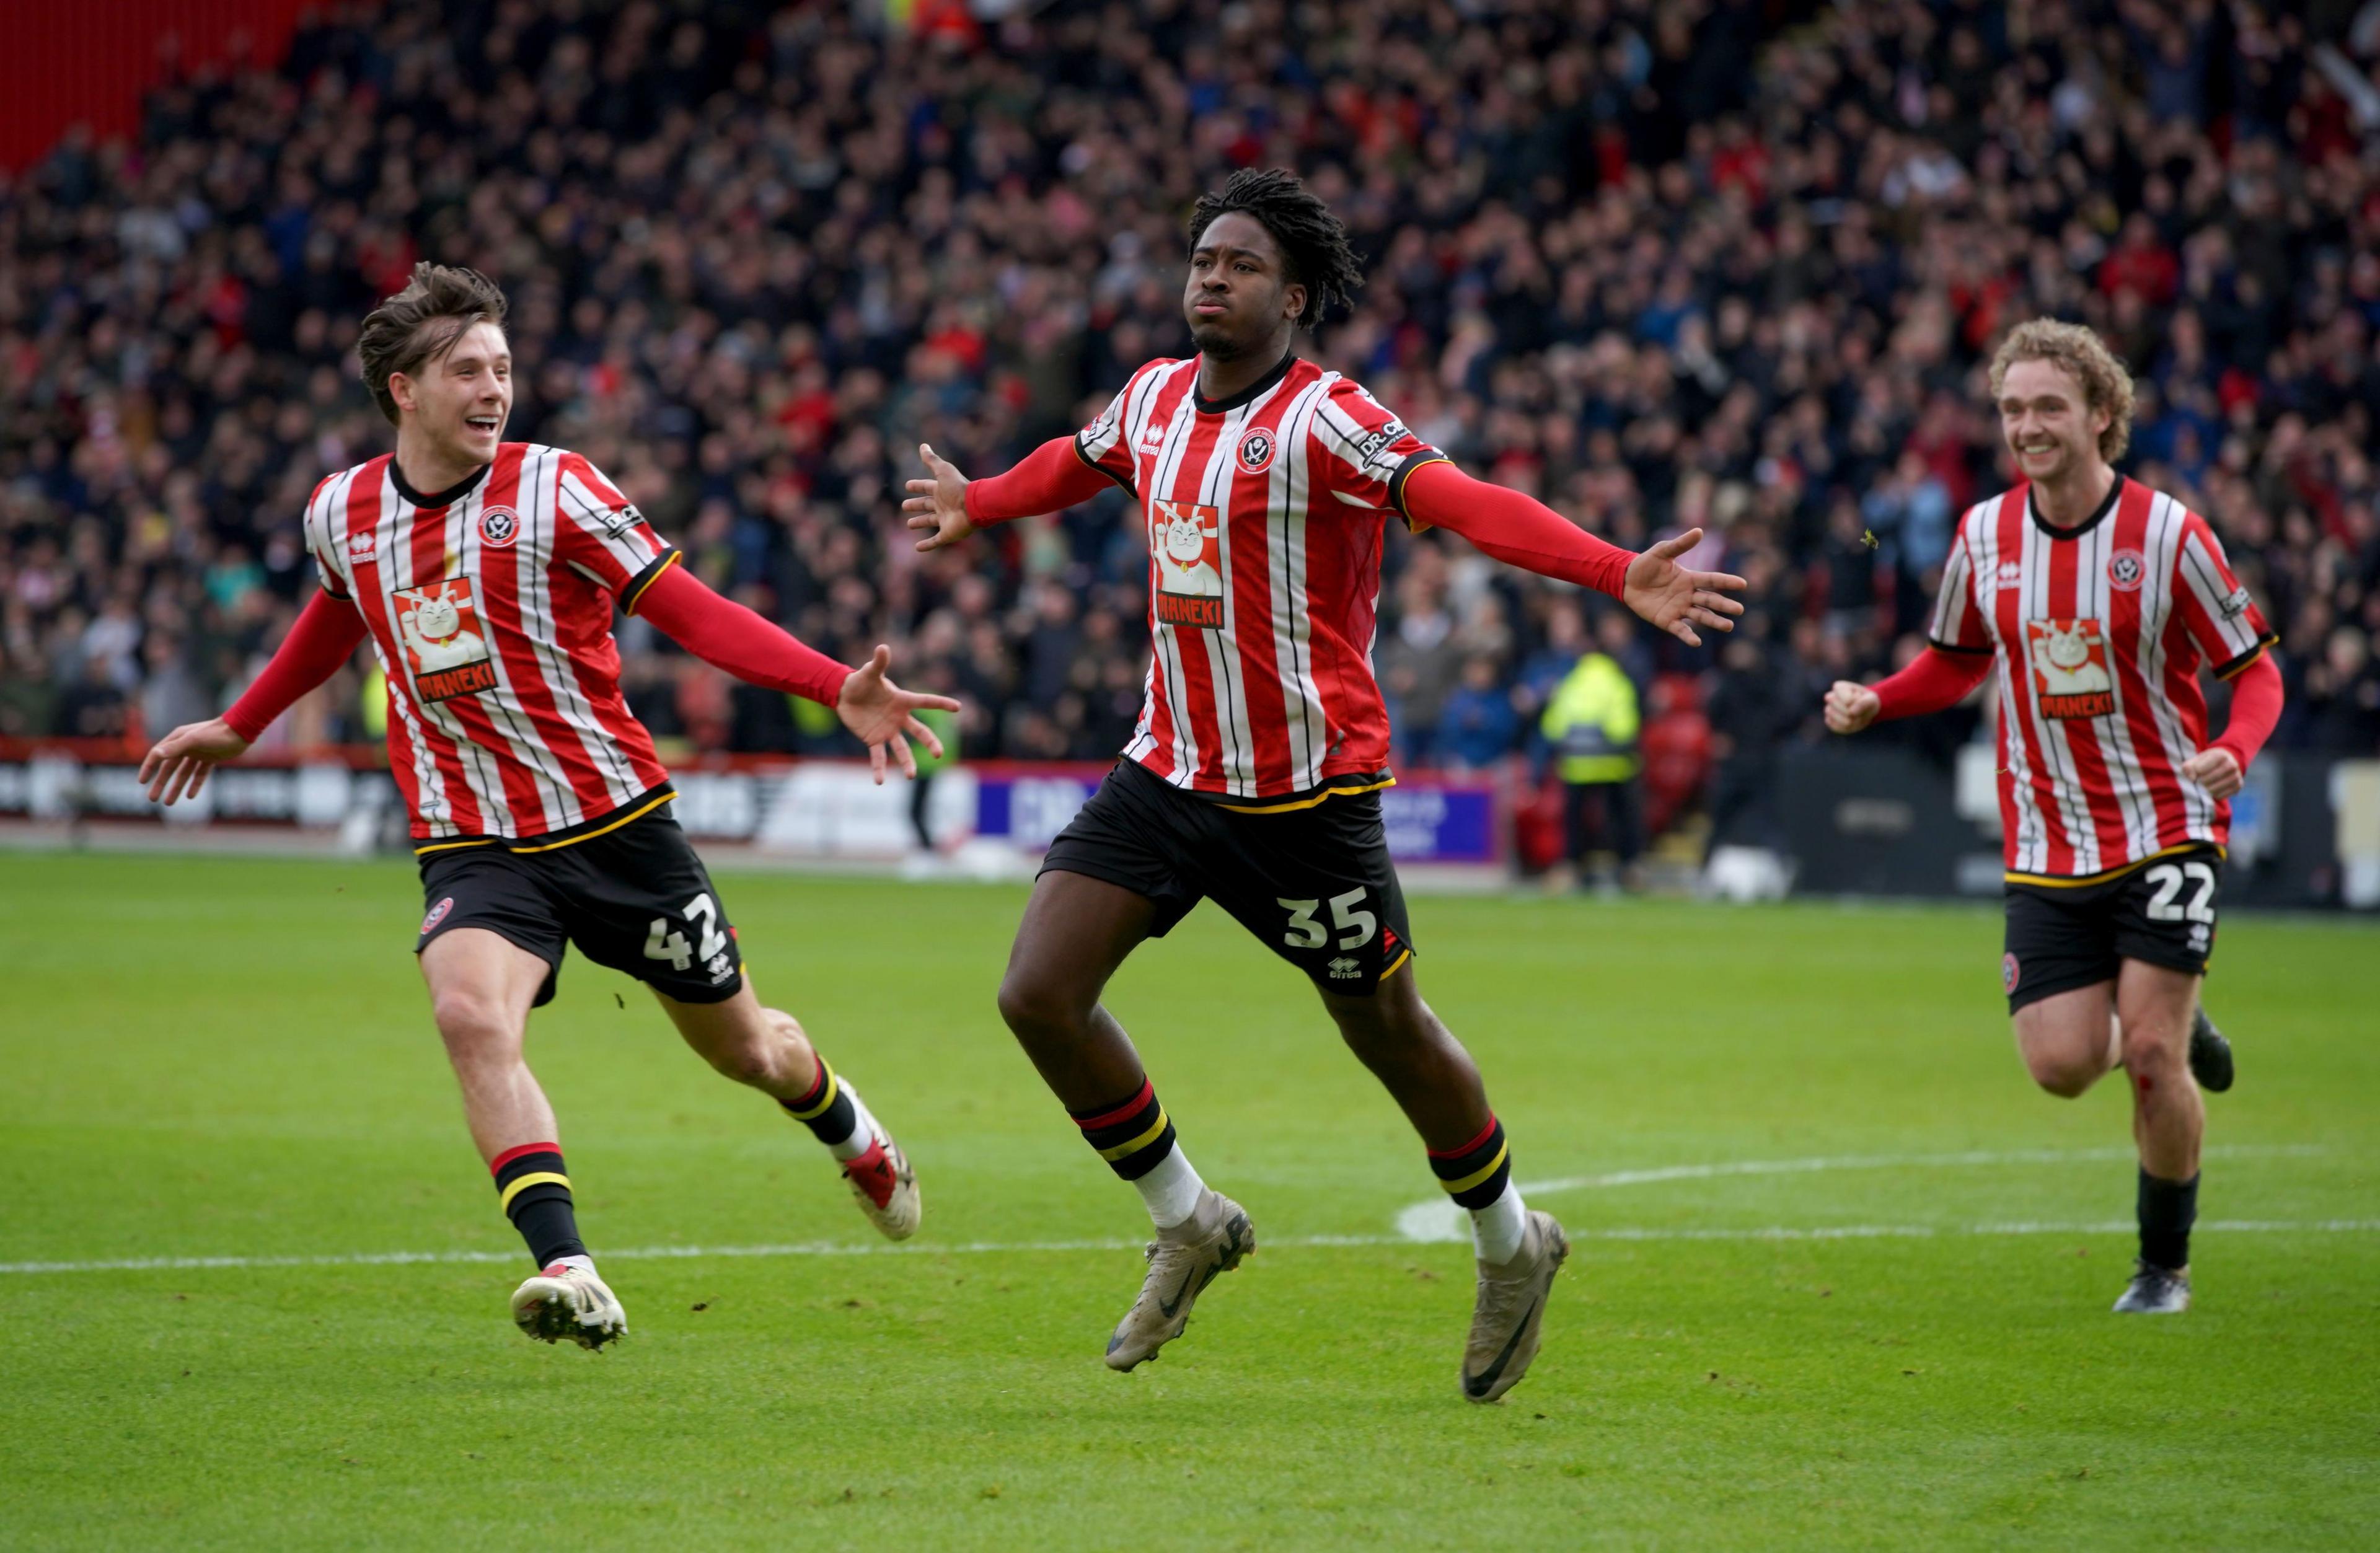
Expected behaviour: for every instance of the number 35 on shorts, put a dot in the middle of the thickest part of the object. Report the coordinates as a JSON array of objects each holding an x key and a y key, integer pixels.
[{"x": 1355, "y": 924}]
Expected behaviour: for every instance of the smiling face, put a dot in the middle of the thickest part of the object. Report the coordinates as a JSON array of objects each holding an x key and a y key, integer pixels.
[
  {"x": 2051, "y": 429},
  {"x": 437, "y": 617},
  {"x": 1239, "y": 300},
  {"x": 456, "y": 405},
  {"x": 1186, "y": 542}
]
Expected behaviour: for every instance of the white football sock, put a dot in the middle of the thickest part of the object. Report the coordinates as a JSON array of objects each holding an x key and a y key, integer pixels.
[
  {"x": 1171, "y": 1189},
  {"x": 863, "y": 1132},
  {"x": 584, "y": 1263},
  {"x": 1497, "y": 1229}
]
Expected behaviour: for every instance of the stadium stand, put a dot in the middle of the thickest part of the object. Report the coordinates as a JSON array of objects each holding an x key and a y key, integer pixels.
[{"x": 1659, "y": 263}]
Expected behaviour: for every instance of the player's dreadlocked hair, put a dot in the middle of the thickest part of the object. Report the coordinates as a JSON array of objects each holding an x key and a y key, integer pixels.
[
  {"x": 421, "y": 323},
  {"x": 1311, "y": 239}
]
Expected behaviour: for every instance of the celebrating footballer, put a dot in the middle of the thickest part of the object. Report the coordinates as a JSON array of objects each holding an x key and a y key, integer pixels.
[
  {"x": 485, "y": 573},
  {"x": 2097, "y": 601},
  {"x": 1253, "y": 779}
]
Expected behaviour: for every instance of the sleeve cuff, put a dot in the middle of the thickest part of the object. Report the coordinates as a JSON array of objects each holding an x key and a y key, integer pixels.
[
  {"x": 2239, "y": 664},
  {"x": 1076, "y": 442},
  {"x": 1957, "y": 647},
  {"x": 1404, "y": 472},
  {"x": 635, "y": 591}
]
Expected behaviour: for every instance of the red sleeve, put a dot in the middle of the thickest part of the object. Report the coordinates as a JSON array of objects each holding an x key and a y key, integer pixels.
[
  {"x": 1053, "y": 477},
  {"x": 723, "y": 633},
  {"x": 328, "y": 630},
  {"x": 1934, "y": 681},
  {"x": 2255, "y": 707},
  {"x": 1512, "y": 527}
]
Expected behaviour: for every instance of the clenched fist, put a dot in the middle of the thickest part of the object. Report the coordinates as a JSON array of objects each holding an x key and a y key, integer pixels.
[{"x": 1851, "y": 707}]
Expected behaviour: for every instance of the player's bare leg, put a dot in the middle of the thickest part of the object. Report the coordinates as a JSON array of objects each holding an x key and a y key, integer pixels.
[
  {"x": 1428, "y": 1074},
  {"x": 2070, "y": 1039},
  {"x": 2157, "y": 1007},
  {"x": 1076, "y": 930},
  {"x": 767, "y": 1049},
  {"x": 482, "y": 987}
]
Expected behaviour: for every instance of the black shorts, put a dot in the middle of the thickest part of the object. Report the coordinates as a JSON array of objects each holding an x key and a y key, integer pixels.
[
  {"x": 1315, "y": 885},
  {"x": 2062, "y": 937},
  {"x": 636, "y": 899}
]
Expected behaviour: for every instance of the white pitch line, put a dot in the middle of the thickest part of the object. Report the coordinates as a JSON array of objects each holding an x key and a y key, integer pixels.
[
  {"x": 1436, "y": 1220},
  {"x": 975, "y": 1248}
]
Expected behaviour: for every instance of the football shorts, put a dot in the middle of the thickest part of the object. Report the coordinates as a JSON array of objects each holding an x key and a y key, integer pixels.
[
  {"x": 636, "y": 899},
  {"x": 2062, "y": 937},
  {"x": 1314, "y": 884}
]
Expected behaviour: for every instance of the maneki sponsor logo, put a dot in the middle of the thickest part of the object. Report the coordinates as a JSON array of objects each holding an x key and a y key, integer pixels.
[
  {"x": 2071, "y": 677},
  {"x": 1187, "y": 539},
  {"x": 446, "y": 646}
]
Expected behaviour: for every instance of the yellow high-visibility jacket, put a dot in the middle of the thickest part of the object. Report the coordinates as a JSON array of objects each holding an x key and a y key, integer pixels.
[{"x": 1592, "y": 722}]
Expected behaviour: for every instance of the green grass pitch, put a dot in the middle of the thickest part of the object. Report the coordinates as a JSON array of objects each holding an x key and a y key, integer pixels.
[{"x": 233, "y": 1059}]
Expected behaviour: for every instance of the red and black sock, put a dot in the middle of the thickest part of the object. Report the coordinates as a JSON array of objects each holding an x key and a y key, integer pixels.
[
  {"x": 826, "y": 1111},
  {"x": 1134, "y": 1136},
  {"x": 1474, "y": 1174},
  {"x": 535, "y": 1195}
]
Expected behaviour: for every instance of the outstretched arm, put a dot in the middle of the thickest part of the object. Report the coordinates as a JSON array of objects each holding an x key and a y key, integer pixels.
[
  {"x": 328, "y": 630},
  {"x": 1526, "y": 533},
  {"x": 723, "y": 633},
  {"x": 947, "y": 506},
  {"x": 1934, "y": 681}
]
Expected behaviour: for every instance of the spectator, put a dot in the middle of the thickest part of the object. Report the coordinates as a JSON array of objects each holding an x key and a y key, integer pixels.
[{"x": 1592, "y": 724}]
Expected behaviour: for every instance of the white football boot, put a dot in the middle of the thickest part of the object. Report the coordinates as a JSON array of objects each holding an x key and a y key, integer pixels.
[
  {"x": 882, "y": 1181},
  {"x": 567, "y": 1302}
]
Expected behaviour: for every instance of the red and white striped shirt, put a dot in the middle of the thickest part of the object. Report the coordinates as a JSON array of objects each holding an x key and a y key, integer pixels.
[
  {"x": 490, "y": 607},
  {"x": 2100, "y": 633},
  {"x": 1265, "y": 515}
]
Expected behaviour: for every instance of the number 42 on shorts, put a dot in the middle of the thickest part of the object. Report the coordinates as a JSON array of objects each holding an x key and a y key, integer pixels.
[{"x": 664, "y": 942}]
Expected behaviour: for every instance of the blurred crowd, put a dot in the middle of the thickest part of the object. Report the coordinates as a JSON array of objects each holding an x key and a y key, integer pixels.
[{"x": 1660, "y": 262}]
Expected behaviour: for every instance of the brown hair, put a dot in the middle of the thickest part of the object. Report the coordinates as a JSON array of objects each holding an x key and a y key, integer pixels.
[
  {"x": 2105, "y": 385},
  {"x": 421, "y": 323}
]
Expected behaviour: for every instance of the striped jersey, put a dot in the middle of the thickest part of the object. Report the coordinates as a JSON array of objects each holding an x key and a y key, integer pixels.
[
  {"x": 2100, "y": 631},
  {"x": 1264, "y": 514},
  {"x": 490, "y": 607}
]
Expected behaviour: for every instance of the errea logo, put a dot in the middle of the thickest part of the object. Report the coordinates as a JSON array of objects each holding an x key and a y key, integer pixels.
[
  {"x": 1344, "y": 969},
  {"x": 2011, "y": 575}
]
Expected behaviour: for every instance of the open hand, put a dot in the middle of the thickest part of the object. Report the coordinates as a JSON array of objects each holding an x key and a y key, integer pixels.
[
  {"x": 881, "y": 712},
  {"x": 1851, "y": 707},
  {"x": 2217, "y": 770},
  {"x": 936, "y": 507},
  {"x": 1677, "y": 600},
  {"x": 176, "y": 765}
]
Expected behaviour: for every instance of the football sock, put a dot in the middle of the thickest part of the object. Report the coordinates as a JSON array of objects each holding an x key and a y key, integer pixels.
[
  {"x": 2168, "y": 1208},
  {"x": 1135, "y": 1137},
  {"x": 535, "y": 1195},
  {"x": 833, "y": 1114},
  {"x": 1478, "y": 1176}
]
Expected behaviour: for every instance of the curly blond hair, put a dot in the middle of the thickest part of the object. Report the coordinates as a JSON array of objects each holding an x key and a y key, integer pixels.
[{"x": 2106, "y": 384}]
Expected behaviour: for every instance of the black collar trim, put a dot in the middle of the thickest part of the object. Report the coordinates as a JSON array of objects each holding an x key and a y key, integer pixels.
[
  {"x": 445, "y": 498},
  {"x": 2107, "y": 506},
  {"x": 1247, "y": 395}
]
